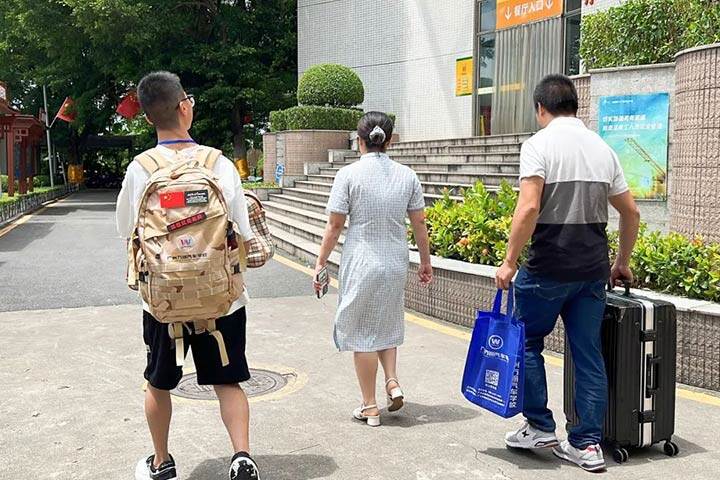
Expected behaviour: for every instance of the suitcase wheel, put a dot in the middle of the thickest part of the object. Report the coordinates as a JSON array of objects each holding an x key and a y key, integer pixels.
[
  {"x": 621, "y": 455},
  {"x": 671, "y": 449}
]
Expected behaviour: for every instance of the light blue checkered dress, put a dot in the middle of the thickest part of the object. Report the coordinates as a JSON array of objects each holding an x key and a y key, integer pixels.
[{"x": 376, "y": 194}]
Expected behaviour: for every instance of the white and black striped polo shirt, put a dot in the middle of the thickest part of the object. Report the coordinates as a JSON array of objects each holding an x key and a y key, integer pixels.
[{"x": 581, "y": 171}]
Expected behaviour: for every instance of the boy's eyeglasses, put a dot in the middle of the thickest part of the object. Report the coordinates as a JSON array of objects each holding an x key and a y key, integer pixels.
[{"x": 190, "y": 98}]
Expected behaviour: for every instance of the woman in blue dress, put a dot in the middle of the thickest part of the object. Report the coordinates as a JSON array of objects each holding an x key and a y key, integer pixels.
[{"x": 376, "y": 194}]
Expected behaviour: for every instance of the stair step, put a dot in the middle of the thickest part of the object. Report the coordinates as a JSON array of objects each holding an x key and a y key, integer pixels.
[
  {"x": 314, "y": 186},
  {"x": 287, "y": 199},
  {"x": 323, "y": 178},
  {"x": 315, "y": 196},
  {"x": 479, "y": 149},
  {"x": 303, "y": 249},
  {"x": 299, "y": 228},
  {"x": 460, "y": 157},
  {"x": 488, "y": 179},
  {"x": 507, "y": 139},
  {"x": 308, "y": 216},
  {"x": 464, "y": 168}
]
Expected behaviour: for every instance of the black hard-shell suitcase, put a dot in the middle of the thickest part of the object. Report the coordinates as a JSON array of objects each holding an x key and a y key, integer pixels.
[{"x": 639, "y": 338}]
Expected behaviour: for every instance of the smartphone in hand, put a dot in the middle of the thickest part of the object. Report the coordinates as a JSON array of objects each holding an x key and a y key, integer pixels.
[{"x": 322, "y": 279}]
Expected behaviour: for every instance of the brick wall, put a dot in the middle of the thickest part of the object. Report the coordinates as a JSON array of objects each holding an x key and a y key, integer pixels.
[
  {"x": 695, "y": 188},
  {"x": 270, "y": 156},
  {"x": 295, "y": 148}
]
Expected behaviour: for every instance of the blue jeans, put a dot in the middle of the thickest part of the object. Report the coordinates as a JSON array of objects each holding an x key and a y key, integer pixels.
[{"x": 538, "y": 303}]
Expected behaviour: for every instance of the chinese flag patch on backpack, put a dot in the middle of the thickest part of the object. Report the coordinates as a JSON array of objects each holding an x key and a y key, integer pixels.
[{"x": 172, "y": 200}]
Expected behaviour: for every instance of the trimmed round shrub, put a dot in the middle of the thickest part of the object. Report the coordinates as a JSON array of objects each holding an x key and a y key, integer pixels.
[
  {"x": 330, "y": 85},
  {"x": 305, "y": 117}
]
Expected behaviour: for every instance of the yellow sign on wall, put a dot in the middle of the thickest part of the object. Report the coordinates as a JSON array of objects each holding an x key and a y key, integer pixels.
[
  {"x": 463, "y": 76},
  {"x": 518, "y": 12}
]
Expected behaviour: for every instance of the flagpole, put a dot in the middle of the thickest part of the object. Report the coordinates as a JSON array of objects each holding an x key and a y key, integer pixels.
[{"x": 49, "y": 145}]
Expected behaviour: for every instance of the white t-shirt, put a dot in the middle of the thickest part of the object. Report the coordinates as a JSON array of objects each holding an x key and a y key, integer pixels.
[
  {"x": 580, "y": 171},
  {"x": 136, "y": 178}
]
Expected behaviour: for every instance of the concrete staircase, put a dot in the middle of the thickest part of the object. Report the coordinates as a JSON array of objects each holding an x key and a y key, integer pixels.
[{"x": 297, "y": 215}]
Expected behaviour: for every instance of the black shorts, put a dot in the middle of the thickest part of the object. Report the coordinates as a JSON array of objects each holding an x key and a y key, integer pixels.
[{"x": 162, "y": 371}]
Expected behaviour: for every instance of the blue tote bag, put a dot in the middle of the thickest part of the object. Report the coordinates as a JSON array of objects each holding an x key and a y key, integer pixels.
[{"x": 495, "y": 366}]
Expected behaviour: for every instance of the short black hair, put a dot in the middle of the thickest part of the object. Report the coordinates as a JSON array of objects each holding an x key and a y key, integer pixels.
[
  {"x": 375, "y": 141},
  {"x": 557, "y": 94},
  {"x": 159, "y": 94}
]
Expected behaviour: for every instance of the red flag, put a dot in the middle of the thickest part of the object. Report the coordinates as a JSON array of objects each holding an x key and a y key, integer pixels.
[
  {"x": 66, "y": 111},
  {"x": 172, "y": 200},
  {"x": 129, "y": 106}
]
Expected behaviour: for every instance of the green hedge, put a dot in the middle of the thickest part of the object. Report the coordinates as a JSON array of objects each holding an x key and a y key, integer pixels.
[
  {"x": 672, "y": 263},
  {"x": 330, "y": 85},
  {"x": 278, "y": 120},
  {"x": 38, "y": 181},
  {"x": 641, "y": 32},
  {"x": 316, "y": 118},
  {"x": 477, "y": 231}
]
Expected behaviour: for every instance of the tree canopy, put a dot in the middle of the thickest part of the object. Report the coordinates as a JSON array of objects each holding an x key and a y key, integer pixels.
[{"x": 238, "y": 57}]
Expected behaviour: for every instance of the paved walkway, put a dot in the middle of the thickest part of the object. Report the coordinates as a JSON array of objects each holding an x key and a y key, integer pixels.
[{"x": 71, "y": 403}]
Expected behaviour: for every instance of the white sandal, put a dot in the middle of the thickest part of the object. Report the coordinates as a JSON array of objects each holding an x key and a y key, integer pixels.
[
  {"x": 372, "y": 420},
  {"x": 396, "y": 398}
]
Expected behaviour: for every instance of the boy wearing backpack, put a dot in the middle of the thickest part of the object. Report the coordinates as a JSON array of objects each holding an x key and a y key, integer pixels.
[{"x": 183, "y": 211}]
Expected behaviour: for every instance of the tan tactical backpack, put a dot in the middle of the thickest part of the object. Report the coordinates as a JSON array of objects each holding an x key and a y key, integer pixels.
[{"x": 185, "y": 255}]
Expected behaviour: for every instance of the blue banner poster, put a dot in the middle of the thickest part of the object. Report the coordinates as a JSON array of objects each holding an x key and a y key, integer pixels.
[{"x": 636, "y": 127}]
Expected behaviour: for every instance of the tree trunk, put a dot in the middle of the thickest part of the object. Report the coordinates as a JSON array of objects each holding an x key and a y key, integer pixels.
[
  {"x": 238, "y": 130},
  {"x": 239, "y": 147}
]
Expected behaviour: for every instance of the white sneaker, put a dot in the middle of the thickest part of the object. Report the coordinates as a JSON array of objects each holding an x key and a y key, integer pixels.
[
  {"x": 530, "y": 437},
  {"x": 590, "y": 458}
]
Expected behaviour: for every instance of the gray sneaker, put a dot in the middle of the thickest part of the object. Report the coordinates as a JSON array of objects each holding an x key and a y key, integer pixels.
[
  {"x": 590, "y": 458},
  {"x": 530, "y": 437}
]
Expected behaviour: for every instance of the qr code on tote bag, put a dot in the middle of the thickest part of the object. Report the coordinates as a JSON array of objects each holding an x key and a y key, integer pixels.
[{"x": 492, "y": 378}]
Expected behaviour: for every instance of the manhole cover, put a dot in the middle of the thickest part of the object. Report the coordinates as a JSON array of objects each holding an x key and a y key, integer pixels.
[{"x": 261, "y": 383}]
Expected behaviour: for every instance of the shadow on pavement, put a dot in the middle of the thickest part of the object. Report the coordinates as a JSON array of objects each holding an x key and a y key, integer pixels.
[
  {"x": 415, "y": 414},
  {"x": 524, "y": 459},
  {"x": 21, "y": 237},
  {"x": 61, "y": 209},
  {"x": 273, "y": 467},
  {"x": 545, "y": 460},
  {"x": 654, "y": 453}
]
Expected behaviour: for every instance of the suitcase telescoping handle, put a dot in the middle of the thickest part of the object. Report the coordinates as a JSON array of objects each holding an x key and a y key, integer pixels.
[
  {"x": 626, "y": 285},
  {"x": 653, "y": 375}
]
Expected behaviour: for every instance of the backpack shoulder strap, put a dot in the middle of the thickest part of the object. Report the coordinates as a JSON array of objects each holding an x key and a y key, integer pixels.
[
  {"x": 208, "y": 157},
  {"x": 151, "y": 160}
]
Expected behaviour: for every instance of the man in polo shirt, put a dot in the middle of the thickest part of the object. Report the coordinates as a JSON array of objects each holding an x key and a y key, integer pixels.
[{"x": 567, "y": 176}]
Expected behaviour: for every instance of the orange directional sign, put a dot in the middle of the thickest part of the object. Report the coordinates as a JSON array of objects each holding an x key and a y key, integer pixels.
[{"x": 518, "y": 12}]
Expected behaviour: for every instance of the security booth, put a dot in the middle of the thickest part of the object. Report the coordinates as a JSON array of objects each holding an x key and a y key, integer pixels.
[{"x": 20, "y": 139}]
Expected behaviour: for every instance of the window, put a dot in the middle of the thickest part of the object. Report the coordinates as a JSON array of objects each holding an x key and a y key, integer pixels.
[
  {"x": 573, "y": 10},
  {"x": 572, "y": 45},
  {"x": 484, "y": 64},
  {"x": 486, "y": 82},
  {"x": 572, "y": 5},
  {"x": 488, "y": 15}
]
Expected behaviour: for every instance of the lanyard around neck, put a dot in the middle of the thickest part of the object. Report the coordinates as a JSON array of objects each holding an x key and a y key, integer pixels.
[{"x": 179, "y": 140}]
